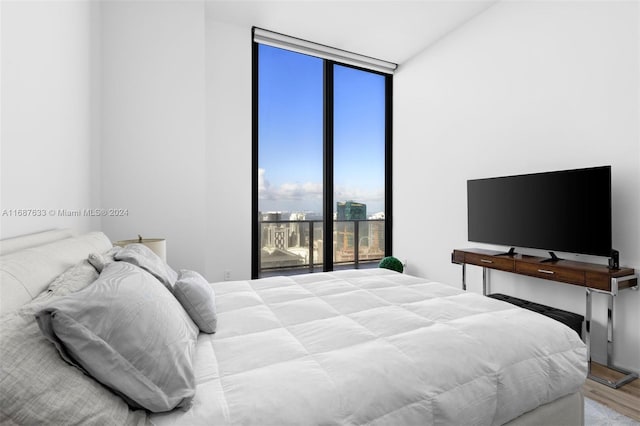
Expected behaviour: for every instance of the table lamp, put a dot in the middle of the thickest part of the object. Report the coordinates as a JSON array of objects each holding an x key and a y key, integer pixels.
[{"x": 157, "y": 245}]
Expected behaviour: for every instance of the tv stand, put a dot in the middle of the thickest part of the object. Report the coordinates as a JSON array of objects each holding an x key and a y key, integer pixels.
[
  {"x": 594, "y": 278},
  {"x": 511, "y": 252},
  {"x": 553, "y": 258}
]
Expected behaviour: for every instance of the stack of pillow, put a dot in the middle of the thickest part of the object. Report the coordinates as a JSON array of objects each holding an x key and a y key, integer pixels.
[{"x": 132, "y": 328}]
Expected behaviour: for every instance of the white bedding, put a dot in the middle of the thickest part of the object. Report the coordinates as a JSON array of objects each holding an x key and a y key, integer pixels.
[{"x": 376, "y": 347}]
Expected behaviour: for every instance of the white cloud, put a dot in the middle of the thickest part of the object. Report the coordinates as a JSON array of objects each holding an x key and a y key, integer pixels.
[
  {"x": 312, "y": 191},
  {"x": 358, "y": 194},
  {"x": 287, "y": 191},
  {"x": 263, "y": 184}
]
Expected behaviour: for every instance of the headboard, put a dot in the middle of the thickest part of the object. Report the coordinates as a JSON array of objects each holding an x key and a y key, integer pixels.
[
  {"x": 32, "y": 262},
  {"x": 10, "y": 245}
]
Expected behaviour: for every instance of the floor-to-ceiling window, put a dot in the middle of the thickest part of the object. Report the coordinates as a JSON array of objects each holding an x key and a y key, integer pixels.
[{"x": 322, "y": 163}]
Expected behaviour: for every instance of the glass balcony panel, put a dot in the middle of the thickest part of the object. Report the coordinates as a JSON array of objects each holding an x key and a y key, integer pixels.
[
  {"x": 343, "y": 241},
  {"x": 290, "y": 246},
  {"x": 284, "y": 244},
  {"x": 318, "y": 244},
  {"x": 370, "y": 240}
]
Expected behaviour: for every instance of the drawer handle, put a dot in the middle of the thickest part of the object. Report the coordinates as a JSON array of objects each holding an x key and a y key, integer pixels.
[
  {"x": 486, "y": 261},
  {"x": 544, "y": 271}
]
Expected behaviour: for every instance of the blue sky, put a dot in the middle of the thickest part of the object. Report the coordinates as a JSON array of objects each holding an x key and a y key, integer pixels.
[{"x": 290, "y": 133}]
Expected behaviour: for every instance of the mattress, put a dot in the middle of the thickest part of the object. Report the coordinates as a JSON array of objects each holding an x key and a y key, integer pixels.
[{"x": 375, "y": 347}]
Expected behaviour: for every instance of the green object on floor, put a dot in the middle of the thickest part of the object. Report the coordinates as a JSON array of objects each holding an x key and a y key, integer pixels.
[{"x": 392, "y": 263}]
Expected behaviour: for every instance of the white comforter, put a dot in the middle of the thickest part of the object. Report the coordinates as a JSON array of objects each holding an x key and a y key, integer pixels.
[{"x": 375, "y": 347}]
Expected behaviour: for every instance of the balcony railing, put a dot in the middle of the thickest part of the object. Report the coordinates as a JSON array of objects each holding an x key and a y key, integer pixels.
[{"x": 299, "y": 244}]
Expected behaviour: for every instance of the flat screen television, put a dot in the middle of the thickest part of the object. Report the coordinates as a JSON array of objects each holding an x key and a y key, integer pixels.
[{"x": 567, "y": 211}]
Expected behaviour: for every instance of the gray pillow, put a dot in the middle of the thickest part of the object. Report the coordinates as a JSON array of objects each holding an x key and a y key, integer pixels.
[
  {"x": 142, "y": 256},
  {"x": 100, "y": 260},
  {"x": 38, "y": 387},
  {"x": 196, "y": 296},
  {"x": 130, "y": 334}
]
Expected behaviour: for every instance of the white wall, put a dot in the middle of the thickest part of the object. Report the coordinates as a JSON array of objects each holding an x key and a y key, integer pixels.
[
  {"x": 48, "y": 149},
  {"x": 176, "y": 132},
  {"x": 153, "y": 125},
  {"x": 524, "y": 87},
  {"x": 103, "y": 106},
  {"x": 228, "y": 154}
]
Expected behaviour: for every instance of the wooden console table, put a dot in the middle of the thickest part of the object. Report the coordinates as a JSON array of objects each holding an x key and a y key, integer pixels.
[{"x": 594, "y": 278}]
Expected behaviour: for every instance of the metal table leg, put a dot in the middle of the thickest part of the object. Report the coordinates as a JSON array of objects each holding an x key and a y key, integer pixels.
[
  {"x": 587, "y": 328},
  {"x": 485, "y": 280},
  {"x": 628, "y": 375},
  {"x": 464, "y": 276}
]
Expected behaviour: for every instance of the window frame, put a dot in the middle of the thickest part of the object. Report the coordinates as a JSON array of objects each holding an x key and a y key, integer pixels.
[{"x": 328, "y": 157}]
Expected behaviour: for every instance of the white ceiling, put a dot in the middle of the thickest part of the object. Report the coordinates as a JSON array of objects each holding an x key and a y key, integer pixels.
[{"x": 392, "y": 30}]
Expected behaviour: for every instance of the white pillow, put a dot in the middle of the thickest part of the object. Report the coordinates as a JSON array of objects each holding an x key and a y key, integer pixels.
[
  {"x": 197, "y": 297},
  {"x": 73, "y": 279}
]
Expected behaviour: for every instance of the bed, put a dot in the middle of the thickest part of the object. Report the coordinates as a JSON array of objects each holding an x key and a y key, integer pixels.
[{"x": 369, "y": 346}]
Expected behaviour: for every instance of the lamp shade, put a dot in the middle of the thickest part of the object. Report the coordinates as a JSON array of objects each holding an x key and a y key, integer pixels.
[{"x": 157, "y": 245}]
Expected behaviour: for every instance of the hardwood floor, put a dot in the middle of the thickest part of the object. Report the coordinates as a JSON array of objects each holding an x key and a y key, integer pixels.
[{"x": 624, "y": 400}]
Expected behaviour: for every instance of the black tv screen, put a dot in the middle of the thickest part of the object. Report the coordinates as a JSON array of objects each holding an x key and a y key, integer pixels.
[{"x": 568, "y": 211}]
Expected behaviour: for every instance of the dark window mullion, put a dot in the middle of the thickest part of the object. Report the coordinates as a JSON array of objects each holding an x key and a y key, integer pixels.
[
  {"x": 388, "y": 164},
  {"x": 255, "y": 219},
  {"x": 327, "y": 233}
]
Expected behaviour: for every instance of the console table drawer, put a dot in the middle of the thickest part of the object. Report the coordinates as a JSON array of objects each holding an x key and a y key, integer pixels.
[
  {"x": 502, "y": 263},
  {"x": 550, "y": 272}
]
